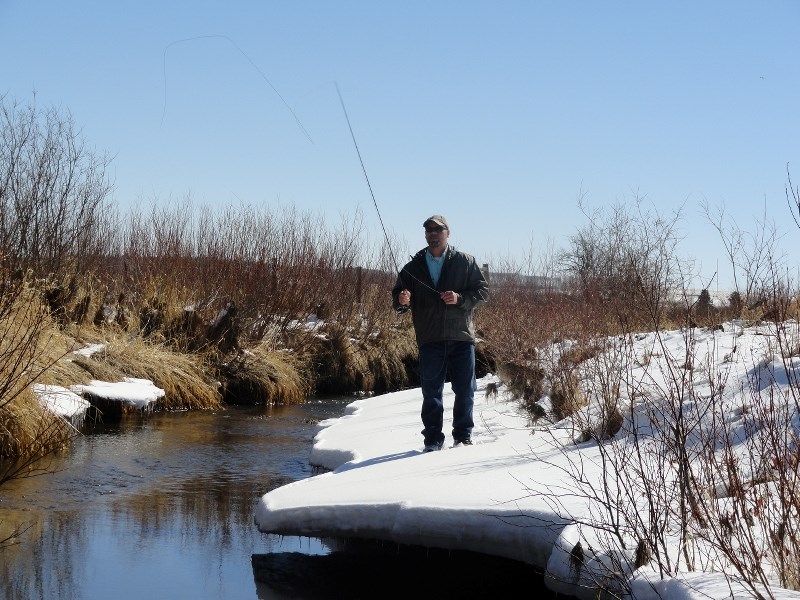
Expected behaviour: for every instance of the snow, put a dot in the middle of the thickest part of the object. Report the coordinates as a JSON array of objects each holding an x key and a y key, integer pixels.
[
  {"x": 138, "y": 392},
  {"x": 525, "y": 491},
  {"x": 89, "y": 350},
  {"x": 61, "y": 401},
  {"x": 71, "y": 404}
]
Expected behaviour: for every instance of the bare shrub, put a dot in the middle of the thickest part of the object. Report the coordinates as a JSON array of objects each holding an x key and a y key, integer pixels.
[
  {"x": 752, "y": 254},
  {"x": 278, "y": 268},
  {"x": 677, "y": 472},
  {"x": 665, "y": 449},
  {"x": 626, "y": 260},
  {"x": 525, "y": 313},
  {"x": 52, "y": 191}
]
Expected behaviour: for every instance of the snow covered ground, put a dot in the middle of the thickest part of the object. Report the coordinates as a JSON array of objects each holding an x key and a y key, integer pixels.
[{"x": 539, "y": 493}]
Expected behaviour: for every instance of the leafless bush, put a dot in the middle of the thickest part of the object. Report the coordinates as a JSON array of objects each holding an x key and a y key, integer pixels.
[
  {"x": 752, "y": 254},
  {"x": 627, "y": 261},
  {"x": 678, "y": 474},
  {"x": 52, "y": 191},
  {"x": 521, "y": 317},
  {"x": 294, "y": 278},
  {"x": 621, "y": 273},
  {"x": 664, "y": 447},
  {"x": 525, "y": 312}
]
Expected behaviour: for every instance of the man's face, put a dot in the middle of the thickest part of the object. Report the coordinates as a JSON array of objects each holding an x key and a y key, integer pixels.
[{"x": 436, "y": 235}]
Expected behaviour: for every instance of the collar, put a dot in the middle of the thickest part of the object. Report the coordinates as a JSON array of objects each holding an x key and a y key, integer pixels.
[{"x": 437, "y": 258}]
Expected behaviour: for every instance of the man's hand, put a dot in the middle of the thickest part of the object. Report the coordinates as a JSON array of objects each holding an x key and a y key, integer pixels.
[
  {"x": 449, "y": 297},
  {"x": 404, "y": 298}
]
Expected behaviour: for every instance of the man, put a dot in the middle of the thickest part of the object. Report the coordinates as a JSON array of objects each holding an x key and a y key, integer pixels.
[{"x": 441, "y": 286}]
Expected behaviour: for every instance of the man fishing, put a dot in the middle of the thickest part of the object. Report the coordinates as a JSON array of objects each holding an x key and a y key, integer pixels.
[{"x": 441, "y": 286}]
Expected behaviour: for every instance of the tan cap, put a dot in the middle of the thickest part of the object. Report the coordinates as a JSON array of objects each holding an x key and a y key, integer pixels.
[{"x": 438, "y": 220}]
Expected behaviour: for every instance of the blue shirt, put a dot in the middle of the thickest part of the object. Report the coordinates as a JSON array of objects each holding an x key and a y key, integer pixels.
[{"x": 435, "y": 265}]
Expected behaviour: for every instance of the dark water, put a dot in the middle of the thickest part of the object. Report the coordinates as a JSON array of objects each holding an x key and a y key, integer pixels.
[{"x": 162, "y": 507}]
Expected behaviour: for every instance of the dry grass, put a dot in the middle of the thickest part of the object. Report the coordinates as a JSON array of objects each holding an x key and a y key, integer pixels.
[
  {"x": 566, "y": 396},
  {"x": 393, "y": 359},
  {"x": 27, "y": 429},
  {"x": 265, "y": 376},
  {"x": 30, "y": 344},
  {"x": 341, "y": 365},
  {"x": 93, "y": 367},
  {"x": 183, "y": 377},
  {"x": 346, "y": 362}
]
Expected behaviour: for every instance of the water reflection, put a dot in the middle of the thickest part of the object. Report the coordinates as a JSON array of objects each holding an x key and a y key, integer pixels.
[{"x": 161, "y": 507}]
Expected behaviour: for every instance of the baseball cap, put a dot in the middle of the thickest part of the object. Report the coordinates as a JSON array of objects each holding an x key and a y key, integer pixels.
[{"x": 437, "y": 220}]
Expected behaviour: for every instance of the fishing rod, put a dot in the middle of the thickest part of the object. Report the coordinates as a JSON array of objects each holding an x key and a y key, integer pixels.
[
  {"x": 374, "y": 201},
  {"x": 369, "y": 185}
]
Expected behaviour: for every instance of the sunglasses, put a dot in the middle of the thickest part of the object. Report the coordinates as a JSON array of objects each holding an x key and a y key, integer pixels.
[{"x": 438, "y": 229}]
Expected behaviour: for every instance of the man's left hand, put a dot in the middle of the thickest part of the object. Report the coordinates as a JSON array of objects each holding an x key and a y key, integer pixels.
[{"x": 449, "y": 297}]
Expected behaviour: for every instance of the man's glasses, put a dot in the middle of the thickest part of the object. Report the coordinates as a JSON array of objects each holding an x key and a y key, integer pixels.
[{"x": 438, "y": 229}]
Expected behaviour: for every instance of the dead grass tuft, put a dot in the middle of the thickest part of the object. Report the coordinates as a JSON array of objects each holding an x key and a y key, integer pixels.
[
  {"x": 340, "y": 363},
  {"x": 30, "y": 344},
  {"x": 27, "y": 429},
  {"x": 392, "y": 358},
  {"x": 347, "y": 362},
  {"x": 183, "y": 377},
  {"x": 524, "y": 380},
  {"x": 93, "y": 366},
  {"x": 579, "y": 354},
  {"x": 566, "y": 397},
  {"x": 264, "y": 376}
]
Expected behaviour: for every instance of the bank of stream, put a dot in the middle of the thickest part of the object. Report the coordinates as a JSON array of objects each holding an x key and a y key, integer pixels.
[{"x": 162, "y": 507}]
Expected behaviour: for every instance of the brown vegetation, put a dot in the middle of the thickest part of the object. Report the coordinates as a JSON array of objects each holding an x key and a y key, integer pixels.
[{"x": 249, "y": 305}]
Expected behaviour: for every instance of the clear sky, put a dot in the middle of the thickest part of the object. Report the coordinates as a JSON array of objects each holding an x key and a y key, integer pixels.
[{"x": 499, "y": 115}]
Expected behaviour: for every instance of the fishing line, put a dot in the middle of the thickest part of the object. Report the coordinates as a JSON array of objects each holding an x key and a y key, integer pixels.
[
  {"x": 254, "y": 65},
  {"x": 374, "y": 201}
]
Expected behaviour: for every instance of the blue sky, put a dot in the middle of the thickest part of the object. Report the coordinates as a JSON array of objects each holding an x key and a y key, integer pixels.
[{"x": 499, "y": 115}]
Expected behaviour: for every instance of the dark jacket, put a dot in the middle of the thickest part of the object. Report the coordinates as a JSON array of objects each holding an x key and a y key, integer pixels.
[{"x": 435, "y": 321}]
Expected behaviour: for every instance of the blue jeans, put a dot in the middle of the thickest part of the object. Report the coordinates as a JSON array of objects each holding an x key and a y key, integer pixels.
[{"x": 436, "y": 359}]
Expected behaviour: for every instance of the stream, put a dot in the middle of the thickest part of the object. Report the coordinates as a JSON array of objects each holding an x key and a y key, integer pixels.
[{"x": 162, "y": 507}]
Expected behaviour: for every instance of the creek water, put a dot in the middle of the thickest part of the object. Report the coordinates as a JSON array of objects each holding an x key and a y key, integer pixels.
[{"x": 162, "y": 507}]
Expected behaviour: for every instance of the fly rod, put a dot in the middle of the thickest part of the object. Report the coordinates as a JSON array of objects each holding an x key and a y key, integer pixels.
[{"x": 372, "y": 194}]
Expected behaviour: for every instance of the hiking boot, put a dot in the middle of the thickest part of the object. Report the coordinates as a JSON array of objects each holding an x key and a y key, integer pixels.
[
  {"x": 464, "y": 442},
  {"x": 433, "y": 447}
]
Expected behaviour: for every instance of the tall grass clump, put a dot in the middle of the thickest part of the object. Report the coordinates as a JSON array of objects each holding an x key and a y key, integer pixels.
[
  {"x": 30, "y": 345},
  {"x": 183, "y": 377},
  {"x": 265, "y": 376}
]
